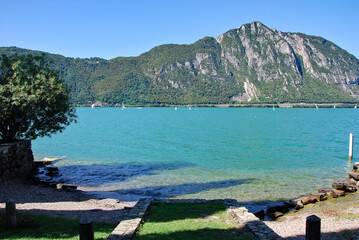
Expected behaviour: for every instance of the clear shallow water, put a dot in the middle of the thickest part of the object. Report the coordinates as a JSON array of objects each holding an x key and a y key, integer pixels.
[{"x": 244, "y": 153}]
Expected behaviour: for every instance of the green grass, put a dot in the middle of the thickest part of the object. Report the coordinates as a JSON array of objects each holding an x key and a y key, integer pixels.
[
  {"x": 45, "y": 227},
  {"x": 350, "y": 217},
  {"x": 189, "y": 221}
]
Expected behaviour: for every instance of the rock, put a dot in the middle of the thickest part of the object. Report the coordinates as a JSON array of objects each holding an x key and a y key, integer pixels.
[
  {"x": 348, "y": 185},
  {"x": 339, "y": 185},
  {"x": 298, "y": 204},
  {"x": 42, "y": 163},
  {"x": 356, "y": 166},
  {"x": 354, "y": 175},
  {"x": 277, "y": 214},
  {"x": 69, "y": 187},
  {"x": 320, "y": 196},
  {"x": 277, "y": 210},
  {"x": 52, "y": 171},
  {"x": 331, "y": 193},
  {"x": 260, "y": 214},
  {"x": 340, "y": 193},
  {"x": 308, "y": 199},
  {"x": 282, "y": 207}
]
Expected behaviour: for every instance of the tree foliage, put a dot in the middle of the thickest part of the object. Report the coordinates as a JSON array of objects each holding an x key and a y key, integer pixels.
[{"x": 34, "y": 100}]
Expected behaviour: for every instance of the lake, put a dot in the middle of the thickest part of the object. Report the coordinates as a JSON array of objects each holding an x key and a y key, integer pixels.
[{"x": 250, "y": 154}]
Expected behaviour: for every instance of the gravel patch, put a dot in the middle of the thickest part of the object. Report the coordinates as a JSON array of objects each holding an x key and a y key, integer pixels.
[
  {"x": 339, "y": 219},
  {"x": 38, "y": 199}
]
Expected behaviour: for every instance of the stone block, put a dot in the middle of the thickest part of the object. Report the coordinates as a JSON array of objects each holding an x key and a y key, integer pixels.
[
  {"x": 298, "y": 204},
  {"x": 354, "y": 175},
  {"x": 277, "y": 210},
  {"x": 308, "y": 199},
  {"x": 320, "y": 196},
  {"x": 260, "y": 214},
  {"x": 331, "y": 193},
  {"x": 340, "y": 193},
  {"x": 348, "y": 185}
]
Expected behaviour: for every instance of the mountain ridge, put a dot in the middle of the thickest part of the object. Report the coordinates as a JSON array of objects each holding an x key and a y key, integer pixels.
[{"x": 249, "y": 64}]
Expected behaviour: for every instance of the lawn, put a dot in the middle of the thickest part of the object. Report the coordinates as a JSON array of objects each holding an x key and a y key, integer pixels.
[
  {"x": 38, "y": 227},
  {"x": 208, "y": 220}
]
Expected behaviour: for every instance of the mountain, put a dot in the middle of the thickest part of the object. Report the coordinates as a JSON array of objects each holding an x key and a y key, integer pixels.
[{"x": 252, "y": 63}]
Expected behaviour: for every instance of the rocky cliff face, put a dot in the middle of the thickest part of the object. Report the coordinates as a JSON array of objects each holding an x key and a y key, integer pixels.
[
  {"x": 262, "y": 64},
  {"x": 286, "y": 59},
  {"x": 252, "y": 63}
]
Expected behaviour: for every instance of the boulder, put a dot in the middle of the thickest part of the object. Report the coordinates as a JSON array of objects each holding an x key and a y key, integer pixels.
[
  {"x": 356, "y": 166},
  {"x": 298, "y": 204},
  {"x": 348, "y": 185},
  {"x": 308, "y": 199},
  {"x": 277, "y": 214},
  {"x": 52, "y": 168},
  {"x": 260, "y": 214},
  {"x": 69, "y": 187},
  {"x": 331, "y": 193},
  {"x": 354, "y": 175},
  {"x": 289, "y": 204},
  {"x": 277, "y": 210},
  {"x": 340, "y": 193},
  {"x": 52, "y": 171},
  {"x": 320, "y": 196}
]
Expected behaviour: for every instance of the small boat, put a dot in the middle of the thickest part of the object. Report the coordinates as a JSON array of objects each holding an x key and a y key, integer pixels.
[
  {"x": 123, "y": 107},
  {"x": 334, "y": 106},
  {"x": 316, "y": 106},
  {"x": 189, "y": 108},
  {"x": 356, "y": 107},
  {"x": 93, "y": 105},
  {"x": 176, "y": 108},
  {"x": 273, "y": 108}
]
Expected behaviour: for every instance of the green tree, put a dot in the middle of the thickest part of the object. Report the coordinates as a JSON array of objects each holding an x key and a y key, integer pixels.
[{"x": 34, "y": 100}]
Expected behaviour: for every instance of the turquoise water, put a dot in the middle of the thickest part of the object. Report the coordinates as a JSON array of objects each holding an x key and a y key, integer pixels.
[{"x": 248, "y": 154}]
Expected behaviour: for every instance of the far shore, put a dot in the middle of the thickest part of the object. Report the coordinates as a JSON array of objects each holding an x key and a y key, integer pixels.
[{"x": 238, "y": 105}]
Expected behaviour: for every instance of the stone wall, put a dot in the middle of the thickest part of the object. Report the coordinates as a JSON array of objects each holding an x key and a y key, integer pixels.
[{"x": 16, "y": 160}]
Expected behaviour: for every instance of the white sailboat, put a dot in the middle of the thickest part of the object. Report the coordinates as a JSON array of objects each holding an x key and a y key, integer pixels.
[
  {"x": 273, "y": 108},
  {"x": 123, "y": 106},
  {"x": 93, "y": 105},
  {"x": 355, "y": 106},
  {"x": 176, "y": 108},
  {"x": 316, "y": 106}
]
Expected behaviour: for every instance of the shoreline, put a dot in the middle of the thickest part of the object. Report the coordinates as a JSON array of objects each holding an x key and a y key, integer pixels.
[
  {"x": 339, "y": 216},
  {"x": 238, "y": 105}
]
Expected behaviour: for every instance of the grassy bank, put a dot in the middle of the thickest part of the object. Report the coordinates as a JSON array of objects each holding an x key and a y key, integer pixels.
[
  {"x": 189, "y": 221},
  {"x": 44, "y": 227}
]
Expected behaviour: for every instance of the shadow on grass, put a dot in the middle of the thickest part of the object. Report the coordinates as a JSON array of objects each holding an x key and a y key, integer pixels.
[
  {"x": 45, "y": 227},
  {"x": 207, "y": 220},
  {"x": 210, "y": 234},
  {"x": 202, "y": 234}
]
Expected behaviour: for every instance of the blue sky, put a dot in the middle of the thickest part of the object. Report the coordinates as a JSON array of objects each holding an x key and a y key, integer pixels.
[{"x": 108, "y": 28}]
